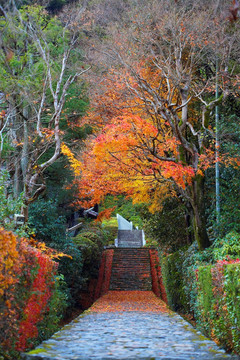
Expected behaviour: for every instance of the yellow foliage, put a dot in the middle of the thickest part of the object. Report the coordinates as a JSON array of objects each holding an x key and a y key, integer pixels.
[
  {"x": 74, "y": 163},
  {"x": 8, "y": 257}
]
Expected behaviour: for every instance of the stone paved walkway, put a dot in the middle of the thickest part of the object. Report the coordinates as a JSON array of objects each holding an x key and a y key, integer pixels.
[{"x": 107, "y": 332}]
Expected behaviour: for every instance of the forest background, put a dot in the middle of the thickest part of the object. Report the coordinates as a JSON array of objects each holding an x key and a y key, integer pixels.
[{"x": 132, "y": 105}]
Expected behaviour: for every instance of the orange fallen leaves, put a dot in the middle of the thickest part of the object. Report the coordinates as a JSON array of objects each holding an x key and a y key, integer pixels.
[{"x": 120, "y": 301}]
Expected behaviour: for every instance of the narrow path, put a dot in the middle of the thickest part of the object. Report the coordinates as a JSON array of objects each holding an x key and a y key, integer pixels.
[{"x": 128, "y": 325}]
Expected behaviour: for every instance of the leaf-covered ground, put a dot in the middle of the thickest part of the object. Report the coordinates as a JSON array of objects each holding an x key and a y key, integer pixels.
[{"x": 118, "y": 301}]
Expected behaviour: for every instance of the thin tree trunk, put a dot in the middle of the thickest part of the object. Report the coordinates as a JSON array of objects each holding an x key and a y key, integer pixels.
[
  {"x": 24, "y": 156},
  {"x": 188, "y": 223},
  {"x": 31, "y": 190},
  {"x": 24, "y": 212},
  {"x": 16, "y": 183}
]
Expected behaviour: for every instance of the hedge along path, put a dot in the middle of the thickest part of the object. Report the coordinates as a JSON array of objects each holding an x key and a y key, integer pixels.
[{"x": 128, "y": 325}]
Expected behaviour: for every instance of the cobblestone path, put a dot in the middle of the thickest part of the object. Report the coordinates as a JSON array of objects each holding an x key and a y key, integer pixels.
[{"x": 128, "y": 325}]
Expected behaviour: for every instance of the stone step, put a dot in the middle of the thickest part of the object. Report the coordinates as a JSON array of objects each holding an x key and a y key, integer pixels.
[
  {"x": 131, "y": 270},
  {"x": 130, "y": 238},
  {"x": 134, "y": 270}
]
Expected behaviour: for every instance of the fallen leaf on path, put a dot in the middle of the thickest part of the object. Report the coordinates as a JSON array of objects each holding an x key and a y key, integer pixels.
[{"x": 118, "y": 301}]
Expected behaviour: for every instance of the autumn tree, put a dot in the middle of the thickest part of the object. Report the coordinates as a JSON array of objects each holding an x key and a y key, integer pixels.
[
  {"x": 40, "y": 63},
  {"x": 168, "y": 59}
]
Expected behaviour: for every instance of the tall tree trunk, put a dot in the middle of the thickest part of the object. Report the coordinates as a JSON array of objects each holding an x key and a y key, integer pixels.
[
  {"x": 188, "y": 224},
  {"x": 26, "y": 197},
  {"x": 24, "y": 212},
  {"x": 31, "y": 190},
  {"x": 199, "y": 220},
  {"x": 16, "y": 183},
  {"x": 24, "y": 156}
]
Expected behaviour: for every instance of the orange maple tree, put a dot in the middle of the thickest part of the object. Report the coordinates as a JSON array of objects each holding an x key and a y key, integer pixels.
[
  {"x": 155, "y": 111},
  {"x": 135, "y": 152},
  {"x": 121, "y": 160},
  {"x": 129, "y": 154}
]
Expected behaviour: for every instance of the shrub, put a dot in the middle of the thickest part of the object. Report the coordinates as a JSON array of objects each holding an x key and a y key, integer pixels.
[
  {"x": 89, "y": 249},
  {"x": 55, "y": 312},
  {"x": 110, "y": 226},
  {"x": 208, "y": 291},
  {"x": 94, "y": 237},
  {"x": 168, "y": 226},
  {"x": 125, "y": 207},
  {"x": 172, "y": 272},
  {"x": 50, "y": 227},
  {"x": 218, "y": 303},
  {"x": 151, "y": 243},
  {"x": 232, "y": 301},
  {"x": 229, "y": 245},
  {"x": 204, "y": 298},
  {"x": 10, "y": 206},
  {"x": 91, "y": 246},
  {"x": 28, "y": 294},
  {"x": 72, "y": 270}
]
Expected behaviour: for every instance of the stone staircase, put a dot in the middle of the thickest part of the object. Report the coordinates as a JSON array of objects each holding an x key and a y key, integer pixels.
[
  {"x": 131, "y": 270},
  {"x": 130, "y": 238}
]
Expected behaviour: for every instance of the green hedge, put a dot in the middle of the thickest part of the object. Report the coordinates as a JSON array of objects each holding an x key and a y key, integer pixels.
[
  {"x": 111, "y": 228},
  {"x": 172, "y": 272},
  {"x": 91, "y": 245},
  {"x": 218, "y": 303},
  {"x": 210, "y": 293}
]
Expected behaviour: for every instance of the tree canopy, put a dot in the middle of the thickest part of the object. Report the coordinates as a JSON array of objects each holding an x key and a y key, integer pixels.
[{"x": 156, "y": 104}]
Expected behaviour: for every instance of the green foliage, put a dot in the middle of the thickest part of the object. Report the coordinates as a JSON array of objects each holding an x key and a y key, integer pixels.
[
  {"x": 72, "y": 269},
  {"x": 218, "y": 303},
  {"x": 230, "y": 200},
  {"x": 58, "y": 176},
  {"x": 94, "y": 237},
  {"x": 229, "y": 131},
  {"x": 75, "y": 107},
  {"x": 232, "y": 300},
  {"x": 167, "y": 227},
  {"x": 57, "y": 307},
  {"x": 89, "y": 249},
  {"x": 10, "y": 206},
  {"x": 7, "y": 148},
  {"x": 110, "y": 226},
  {"x": 209, "y": 291},
  {"x": 151, "y": 243},
  {"x": 48, "y": 224},
  {"x": 179, "y": 275},
  {"x": 204, "y": 298},
  {"x": 125, "y": 208},
  {"x": 23, "y": 70},
  {"x": 91, "y": 226},
  {"x": 50, "y": 227},
  {"x": 172, "y": 272},
  {"x": 228, "y": 246},
  {"x": 91, "y": 246}
]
